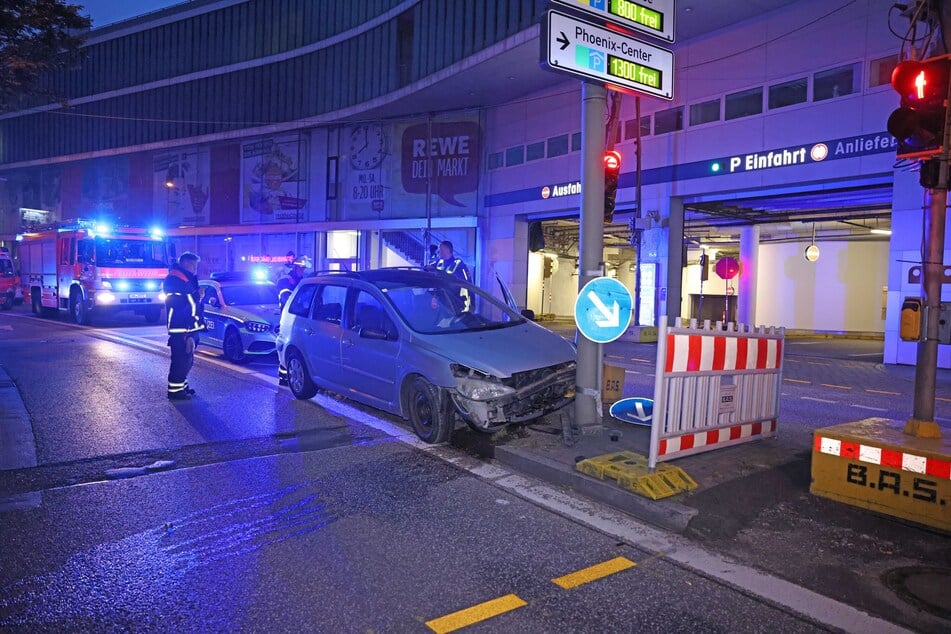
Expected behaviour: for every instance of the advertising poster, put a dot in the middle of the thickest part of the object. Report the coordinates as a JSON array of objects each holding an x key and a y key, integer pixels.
[
  {"x": 105, "y": 187},
  {"x": 181, "y": 186},
  {"x": 273, "y": 180},
  {"x": 390, "y": 168}
]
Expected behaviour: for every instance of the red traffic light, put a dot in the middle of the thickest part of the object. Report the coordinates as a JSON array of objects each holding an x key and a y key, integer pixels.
[
  {"x": 612, "y": 160},
  {"x": 919, "y": 82}
]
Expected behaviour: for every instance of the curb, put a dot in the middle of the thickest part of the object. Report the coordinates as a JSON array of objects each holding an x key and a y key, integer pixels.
[{"x": 667, "y": 515}]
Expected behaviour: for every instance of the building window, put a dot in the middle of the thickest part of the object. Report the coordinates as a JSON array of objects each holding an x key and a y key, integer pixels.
[
  {"x": 880, "y": 70},
  {"x": 787, "y": 94},
  {"x": 557, "y": 145},
  {"x": 576, "y": 142},
  {"x": 833, "y": 83},
  {"x": 535, "y": 151},
  {"x": 744, "y": 104},
  {"x": 669, "y": 120},
  {"x": 495, "y": 160},
  {"x": 705, "y": 112},
  {"x": 515, "y": 155}
]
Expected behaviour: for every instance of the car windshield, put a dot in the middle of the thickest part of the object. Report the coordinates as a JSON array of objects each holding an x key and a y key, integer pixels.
[
  {"x": 6, "y": 268},
  {"x": 130, "y": 253},
  {"x": 448, "y": 306},
  {"x": 249, "y": 294}
]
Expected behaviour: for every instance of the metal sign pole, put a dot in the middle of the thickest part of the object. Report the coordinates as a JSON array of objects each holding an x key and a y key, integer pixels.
[{"x": 590, "y": 245}]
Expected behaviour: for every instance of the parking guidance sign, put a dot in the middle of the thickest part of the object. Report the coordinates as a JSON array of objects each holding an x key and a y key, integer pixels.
[
  {"x": 581, "y": 48},
  {"x": 603, "y": 309}
]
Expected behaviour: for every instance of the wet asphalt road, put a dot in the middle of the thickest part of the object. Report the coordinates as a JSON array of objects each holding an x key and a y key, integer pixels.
[{"x": 262, "y": 512}]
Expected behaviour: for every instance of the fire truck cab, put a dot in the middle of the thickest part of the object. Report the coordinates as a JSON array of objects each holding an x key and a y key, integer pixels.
[
  {"x": 90, "y": 269},
  {"x": 8, "y": 280}
]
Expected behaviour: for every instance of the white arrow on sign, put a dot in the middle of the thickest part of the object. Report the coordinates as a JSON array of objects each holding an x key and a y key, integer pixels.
[
  {"x": 612, "y": 316},
  {"x": 640, "y": 415}
]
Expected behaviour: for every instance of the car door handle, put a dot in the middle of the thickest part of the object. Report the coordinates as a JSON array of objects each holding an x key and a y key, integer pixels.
[
  {"x": 348, "y": 342},
  {"x": 308, "y": 331}
]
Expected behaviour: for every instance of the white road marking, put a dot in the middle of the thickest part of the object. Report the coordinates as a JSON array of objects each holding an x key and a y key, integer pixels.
[
  {"x": 874, "y": 409},
  {"x": 821, "y": 400}
]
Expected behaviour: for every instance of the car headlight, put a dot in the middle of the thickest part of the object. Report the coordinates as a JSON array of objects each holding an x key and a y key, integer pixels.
[
  {"x": 257, "y": 326},
  {"x": 106, "y": 284},
  {"x": 105, "y": 297},
  {"x": 478, "y": 386}
]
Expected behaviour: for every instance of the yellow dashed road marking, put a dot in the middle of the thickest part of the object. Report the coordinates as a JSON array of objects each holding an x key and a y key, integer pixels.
[
  {"x": 475, "y": 614},
  {"x": 838, "y": 387},
  {"x": 797, "y": 381},
  {"x": 884, "y": 392},
  {"x": 593, "y": 573}
]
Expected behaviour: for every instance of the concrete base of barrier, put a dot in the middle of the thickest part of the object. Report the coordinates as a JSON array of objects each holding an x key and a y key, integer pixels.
[
  {"x": 640, "y": 334},
  {"x": 872, "y": 464}
]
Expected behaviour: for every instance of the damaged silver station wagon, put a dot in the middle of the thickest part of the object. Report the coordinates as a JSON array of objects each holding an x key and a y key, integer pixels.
[{"x": 425, "y": 346}]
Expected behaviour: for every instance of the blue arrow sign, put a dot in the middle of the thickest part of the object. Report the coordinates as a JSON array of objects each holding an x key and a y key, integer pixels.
[
  {"x": 635, "y": 410},
  {"x": 603, "y": 309}
]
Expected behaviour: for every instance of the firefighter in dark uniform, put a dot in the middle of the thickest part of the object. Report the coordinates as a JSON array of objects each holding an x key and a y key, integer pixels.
[
  {"x": 185, "y": 320},
  {"x": 286, "y": 286}
]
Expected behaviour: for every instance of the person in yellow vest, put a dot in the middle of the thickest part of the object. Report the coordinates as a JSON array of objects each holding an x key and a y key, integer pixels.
[{"x": 449, "y": 263}]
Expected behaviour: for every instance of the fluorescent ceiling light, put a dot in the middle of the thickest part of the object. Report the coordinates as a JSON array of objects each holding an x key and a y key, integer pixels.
[{"x": 882, "y": 232}]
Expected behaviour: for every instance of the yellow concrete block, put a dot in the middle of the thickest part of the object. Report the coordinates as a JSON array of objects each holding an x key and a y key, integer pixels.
[{"x": 872, "y": 464}]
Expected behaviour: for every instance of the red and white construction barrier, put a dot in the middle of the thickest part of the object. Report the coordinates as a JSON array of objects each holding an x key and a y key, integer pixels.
[{"x": 714, "y": 388}]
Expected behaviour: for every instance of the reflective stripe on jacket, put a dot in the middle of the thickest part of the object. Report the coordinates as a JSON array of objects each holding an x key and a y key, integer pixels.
[{"x": 181, "y": 302}]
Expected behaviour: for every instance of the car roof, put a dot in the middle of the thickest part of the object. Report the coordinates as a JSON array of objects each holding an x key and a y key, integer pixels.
[{"x": 402, "y": 275}]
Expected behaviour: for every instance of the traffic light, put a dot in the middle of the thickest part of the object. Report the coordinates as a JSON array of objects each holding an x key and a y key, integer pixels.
[
  {"x": 612, "y": 169},
  {"x": 918, "y": 124}
]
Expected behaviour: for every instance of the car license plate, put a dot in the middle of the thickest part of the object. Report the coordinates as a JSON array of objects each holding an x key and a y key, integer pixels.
[{"x": 137, "y": 296}]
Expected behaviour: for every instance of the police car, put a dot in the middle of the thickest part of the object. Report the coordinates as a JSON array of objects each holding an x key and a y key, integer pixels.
[{"x": 241, "y": 315}]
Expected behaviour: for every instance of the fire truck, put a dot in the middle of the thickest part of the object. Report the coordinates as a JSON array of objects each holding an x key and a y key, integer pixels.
[
  {"x": 90, "y": 269},
  {"x": 9, "y": 282}
]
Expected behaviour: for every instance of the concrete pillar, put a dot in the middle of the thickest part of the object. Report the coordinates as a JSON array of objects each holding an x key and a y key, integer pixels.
[{"x": 746, "y": 286}]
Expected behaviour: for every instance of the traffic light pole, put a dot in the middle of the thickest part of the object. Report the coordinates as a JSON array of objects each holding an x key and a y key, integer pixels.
[
  {"x": 922, "y": 423},
  {"x": 590, "y": 251}
]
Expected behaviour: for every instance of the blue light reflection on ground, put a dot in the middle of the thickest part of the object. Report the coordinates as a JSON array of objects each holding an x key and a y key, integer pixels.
[{"x": 130, "y": 580}]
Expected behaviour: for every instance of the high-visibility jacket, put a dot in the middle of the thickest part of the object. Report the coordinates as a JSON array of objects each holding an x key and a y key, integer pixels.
[
  {"x": 285, "y": 286},
  {"x": 454, "y": 266},
  {"x": 182, "y": 301}
]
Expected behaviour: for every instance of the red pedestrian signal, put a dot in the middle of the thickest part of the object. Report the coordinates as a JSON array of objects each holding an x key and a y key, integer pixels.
[
  {"x": 612, "y": 171},
  {"x": 918, "y": 124}
]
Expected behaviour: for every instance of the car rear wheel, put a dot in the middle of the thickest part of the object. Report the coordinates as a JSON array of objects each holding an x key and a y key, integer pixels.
[
  {"x": 426, "y": 413},
  {"x": 233, "y": 347},
  {"x": 298, "y": 379}
]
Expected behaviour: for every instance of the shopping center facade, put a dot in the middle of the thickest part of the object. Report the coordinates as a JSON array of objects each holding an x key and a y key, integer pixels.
[{"x": 359, "y": 133}]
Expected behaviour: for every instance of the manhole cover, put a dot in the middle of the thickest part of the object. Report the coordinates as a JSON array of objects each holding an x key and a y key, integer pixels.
[{"x": 924, "y": 587}]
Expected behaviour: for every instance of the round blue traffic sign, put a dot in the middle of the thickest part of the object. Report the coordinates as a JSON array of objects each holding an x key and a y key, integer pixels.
[
  {"x": 603, "y": 309},
  {"x": 637, "y": 410}
]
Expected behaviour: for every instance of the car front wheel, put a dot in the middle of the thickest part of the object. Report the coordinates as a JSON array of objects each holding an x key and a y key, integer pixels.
[
  {"x": 298, "y": 378},
  {"x": 233, "y": 347},
  {"x": 426, "y": 413}
]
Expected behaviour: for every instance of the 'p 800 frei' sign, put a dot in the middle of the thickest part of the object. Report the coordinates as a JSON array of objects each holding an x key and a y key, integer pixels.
[
  {"x": 574, "y": 46},
  {"x": 653, "y": 17}
]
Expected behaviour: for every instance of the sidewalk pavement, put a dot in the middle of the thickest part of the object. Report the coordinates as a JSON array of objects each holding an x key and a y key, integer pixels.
[{"x": 753, "y": 505}]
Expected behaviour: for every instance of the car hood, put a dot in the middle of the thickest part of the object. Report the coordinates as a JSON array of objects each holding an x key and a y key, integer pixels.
[
  {"x": 502, "y": 352},
  {"x": 271, "y": 313}
]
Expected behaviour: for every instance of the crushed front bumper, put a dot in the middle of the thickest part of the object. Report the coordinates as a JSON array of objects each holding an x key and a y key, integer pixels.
[{"x": 536, "y": 393}]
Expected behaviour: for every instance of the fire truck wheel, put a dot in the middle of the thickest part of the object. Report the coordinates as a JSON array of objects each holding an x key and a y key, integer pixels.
[
  {"x": 153, "y": 314},
  {"x": 36, "y": 304},
  {"x": 7, "y": 302},
  {"x": 77, "y": 308},
  {"x": 233, "y": 347}
]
